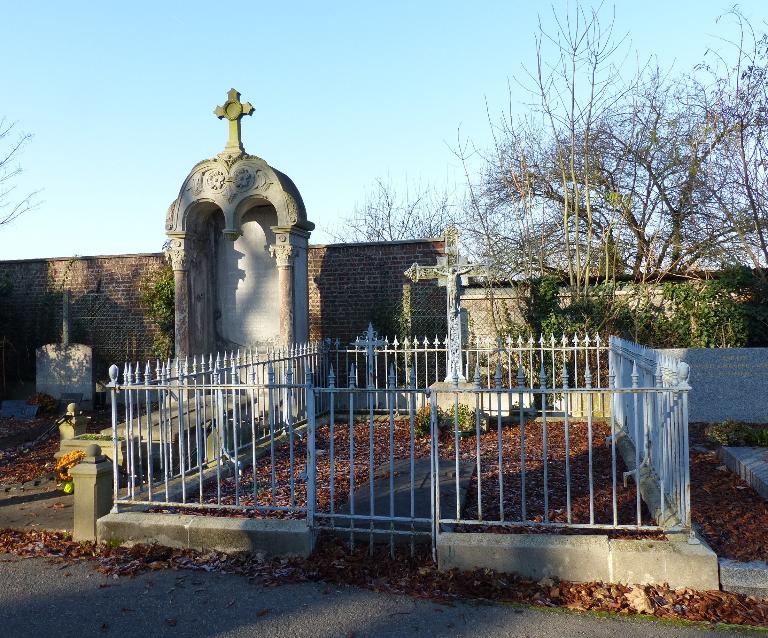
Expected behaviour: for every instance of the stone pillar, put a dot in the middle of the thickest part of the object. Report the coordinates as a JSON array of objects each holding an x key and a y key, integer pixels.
[
  {"x": 93, "y": 492},
  {"x": 180, "y": 264},
  {"x": 284, "y": 255}
]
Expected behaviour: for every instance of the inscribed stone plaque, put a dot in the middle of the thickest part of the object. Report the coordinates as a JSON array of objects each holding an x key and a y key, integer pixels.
[
  {"x": 727, "y": 383},
  {"x": 18, "y": 410}
]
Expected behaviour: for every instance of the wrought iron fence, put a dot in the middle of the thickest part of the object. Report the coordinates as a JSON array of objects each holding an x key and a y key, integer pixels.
[
  {"x": 317, "y": 432},
  {"x": 656, "y": 420}
]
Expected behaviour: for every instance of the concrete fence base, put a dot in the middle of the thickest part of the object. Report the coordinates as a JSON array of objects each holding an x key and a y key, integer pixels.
[
  {"x": 582, "y": 558},
  {"x": 269, "y": 537}
]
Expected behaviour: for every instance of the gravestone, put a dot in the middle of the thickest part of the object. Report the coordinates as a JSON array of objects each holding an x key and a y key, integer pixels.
[
  {"x": 238, "y": 236},
  {"x": 726, "y": 383},
  {"x": 14, "y": 409},
  {"x": 65, "y": 368}
]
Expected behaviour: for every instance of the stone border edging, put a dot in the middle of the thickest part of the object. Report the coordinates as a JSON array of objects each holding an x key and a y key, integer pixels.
[
  {"x": 268, "y": 537},
  {"x": 750, "y": 464},
  {"x": 582, "y": 558},
  {"x": 744, "y": 578}
]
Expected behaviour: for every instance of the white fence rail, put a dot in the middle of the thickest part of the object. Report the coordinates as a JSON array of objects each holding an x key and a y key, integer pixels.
[
  {"x": 532, "y": 439},
  {"x": 658, "y": 428}
]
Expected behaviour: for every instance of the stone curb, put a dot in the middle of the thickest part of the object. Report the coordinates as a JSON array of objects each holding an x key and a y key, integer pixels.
[
  {"x": 748, "y": 463},
  {"x": 268, "y": 537},
  {"x": 744, "y": 578},
  {"x": 583, "y": 558}
]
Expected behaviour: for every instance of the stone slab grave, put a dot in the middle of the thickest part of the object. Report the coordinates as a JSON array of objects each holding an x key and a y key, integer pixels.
[
  {"x": 402, "y": 493},
  {"x": 750, "y": 464},
  {"x": 14, "y": 409},
  {"x": 726, "y": 383}
]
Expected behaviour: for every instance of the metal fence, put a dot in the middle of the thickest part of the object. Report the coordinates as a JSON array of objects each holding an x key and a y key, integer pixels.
[
  {"x": 656, "y": 420},
  {"x": 535, "y": 438}
]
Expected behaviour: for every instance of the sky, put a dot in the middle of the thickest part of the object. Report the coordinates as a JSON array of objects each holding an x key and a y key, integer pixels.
[{"x": 119, "y": 98}]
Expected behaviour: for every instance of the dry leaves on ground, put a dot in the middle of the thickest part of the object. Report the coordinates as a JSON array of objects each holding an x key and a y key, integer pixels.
[{"x": 333, "y": 562}]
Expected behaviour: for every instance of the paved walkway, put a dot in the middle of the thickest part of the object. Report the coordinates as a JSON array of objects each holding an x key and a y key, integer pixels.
[
  {"x": 43, "y": 599},
  {"x": 46, "y": 508}
]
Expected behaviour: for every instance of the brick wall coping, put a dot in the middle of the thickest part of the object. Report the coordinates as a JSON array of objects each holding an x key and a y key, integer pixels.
[
  {"x": 341, "y": 245},
  {"x": 79, "y": 257},
  {"x": 399, "y": 242}
]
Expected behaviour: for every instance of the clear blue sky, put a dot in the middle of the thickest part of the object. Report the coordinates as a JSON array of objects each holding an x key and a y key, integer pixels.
[{"x": 119, "y": 97}]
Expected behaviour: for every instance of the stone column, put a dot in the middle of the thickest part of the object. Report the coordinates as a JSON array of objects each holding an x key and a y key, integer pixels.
[
  {"x": 93, "y": 492},
  {"x": 284, "y": 255},
  {"x": 180, "y": 264}
]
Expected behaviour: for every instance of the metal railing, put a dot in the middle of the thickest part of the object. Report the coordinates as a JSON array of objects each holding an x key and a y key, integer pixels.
[
  {"x": 287, "y": 436},
  {"x": 658, "y": 428}
]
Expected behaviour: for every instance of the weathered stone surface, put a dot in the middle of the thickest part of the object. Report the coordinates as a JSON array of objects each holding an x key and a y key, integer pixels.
[
  {"x": 744, "y": 578},
  {"x": 582, "y": 558},
  {"x": 93, "y": 492},
  {"x": 65, "y": 369},
  {"x": 727, "y": 383},
  {"x": 750, "y": 463},
  {"x": 279, "y": 537},
  {"x": 234, "y": 218}
]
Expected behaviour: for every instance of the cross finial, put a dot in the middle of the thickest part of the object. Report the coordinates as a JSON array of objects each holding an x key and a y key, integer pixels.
[{"x": 234, "y": 110}]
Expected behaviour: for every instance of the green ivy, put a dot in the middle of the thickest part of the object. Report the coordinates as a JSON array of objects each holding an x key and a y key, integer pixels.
[
  {"x": 157, "y": 291},
  {"x": 728, "y": 312}
]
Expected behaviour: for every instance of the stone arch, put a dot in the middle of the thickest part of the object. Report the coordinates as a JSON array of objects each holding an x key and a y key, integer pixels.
[{"x": 230, "y": 185}]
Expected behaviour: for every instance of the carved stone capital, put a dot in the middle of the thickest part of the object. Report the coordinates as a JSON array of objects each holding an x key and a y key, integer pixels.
[
  {"x": 178, "y": 255},
  {"x": 284, "y": 254},
  {"x": 231, "y": 234}
]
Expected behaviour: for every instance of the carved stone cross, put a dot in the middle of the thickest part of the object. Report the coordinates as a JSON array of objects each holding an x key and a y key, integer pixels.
[
  {"x": 234, "y": 110},
  {"x": 451, "y": 271}
]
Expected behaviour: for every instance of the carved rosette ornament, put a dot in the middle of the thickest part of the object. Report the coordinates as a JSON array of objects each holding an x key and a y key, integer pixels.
[
  {"x": 178, "y": 255},
  {"x": 214, "y": 180},
  {"x": 284, "y": 255}
]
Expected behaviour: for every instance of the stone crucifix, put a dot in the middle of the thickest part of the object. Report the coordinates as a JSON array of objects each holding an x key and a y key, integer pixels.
[
  {"x": 233, "y": 110},
  {"x": 451, "y": 271}
]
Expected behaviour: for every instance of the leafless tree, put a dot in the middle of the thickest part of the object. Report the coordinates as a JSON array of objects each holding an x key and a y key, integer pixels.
[
  {"x": 388, "y": 215},
  {"x": 658, "y": 173},
  {"x": 11, "y": 145}
]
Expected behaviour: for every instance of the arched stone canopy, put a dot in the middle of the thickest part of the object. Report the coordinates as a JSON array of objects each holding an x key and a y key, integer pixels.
[
  {"x": 232, "y": 184},
  {"x": 238, "y": 234}
]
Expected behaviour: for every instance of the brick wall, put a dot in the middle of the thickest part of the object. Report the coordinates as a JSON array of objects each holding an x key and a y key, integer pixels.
[
  {"x": 105, "y": 311},
  {"x": 352, "y": 284},
  {"x": 349, "y": 285}
]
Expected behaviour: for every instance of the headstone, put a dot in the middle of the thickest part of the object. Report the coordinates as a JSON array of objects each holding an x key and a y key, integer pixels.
[
  {"x": 726, "y": 383},
  {"x": 238, "y": 236},
  {"x": 18, "y": 410},
  {"x": 65, "y": 369}
]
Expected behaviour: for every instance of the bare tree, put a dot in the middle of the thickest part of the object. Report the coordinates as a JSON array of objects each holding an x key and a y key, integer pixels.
[
  {"x": 640, "y": 177},
  {"x": 386, "y": 215},
  {"x": 12, "y": 206}
]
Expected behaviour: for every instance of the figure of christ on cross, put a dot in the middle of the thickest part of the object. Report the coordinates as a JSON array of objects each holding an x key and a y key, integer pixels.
[{"x": 450, "y": 272}]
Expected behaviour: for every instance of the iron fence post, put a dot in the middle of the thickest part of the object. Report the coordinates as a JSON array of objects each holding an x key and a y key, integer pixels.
[
  {"x": 311, "y": 470},
  {"x": 114, "y": 371}
]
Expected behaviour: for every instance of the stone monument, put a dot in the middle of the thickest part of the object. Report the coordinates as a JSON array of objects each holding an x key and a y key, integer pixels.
[
  {"x": 453, "y": 272},
  {"x": 238, "y": 235},
  {"x": 65, "y": 368}
]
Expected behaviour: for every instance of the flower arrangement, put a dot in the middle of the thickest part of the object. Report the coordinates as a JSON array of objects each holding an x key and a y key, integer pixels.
[{"x": 66, "y": 463}]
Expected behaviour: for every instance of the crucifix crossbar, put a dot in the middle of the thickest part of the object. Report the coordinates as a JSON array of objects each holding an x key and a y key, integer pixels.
[{"x": 451, "y": 271}]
